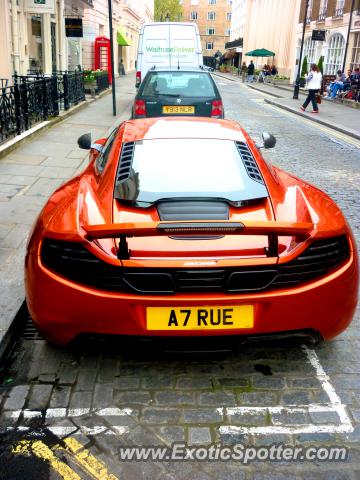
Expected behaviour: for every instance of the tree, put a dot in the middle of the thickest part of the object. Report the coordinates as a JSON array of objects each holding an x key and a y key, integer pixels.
[
  {"x": 304, "y": 67},
  {"x": 172, "y": 8},
  {"x": 321, "y": 63}
]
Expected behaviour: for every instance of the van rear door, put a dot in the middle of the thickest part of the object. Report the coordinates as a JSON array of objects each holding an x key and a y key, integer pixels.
[
  {"x": 185, "y": 46},
  {"x": 167, "y": 44}
]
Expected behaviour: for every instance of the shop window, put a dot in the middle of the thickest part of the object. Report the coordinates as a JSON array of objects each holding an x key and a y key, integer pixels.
[
  {"x": 335, "y": 54},
  {"x": 309, "y": 50},
  {"x": 355, "y": 52},
  {"x": 35, "y": 44}
]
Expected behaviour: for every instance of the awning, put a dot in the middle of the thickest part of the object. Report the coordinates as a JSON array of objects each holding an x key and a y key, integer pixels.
[
  {"x": 122, "y": 38},
  {"x": 260, "y": 52}
]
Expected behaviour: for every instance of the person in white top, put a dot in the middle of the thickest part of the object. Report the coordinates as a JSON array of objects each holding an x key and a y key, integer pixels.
[{"x": 313, "y": 85}]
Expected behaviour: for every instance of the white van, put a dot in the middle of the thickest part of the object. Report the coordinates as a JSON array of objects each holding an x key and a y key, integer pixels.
[{"x": 168, "y": 44}]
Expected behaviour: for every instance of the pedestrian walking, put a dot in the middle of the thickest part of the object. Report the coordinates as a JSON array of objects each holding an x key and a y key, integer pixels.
[
  {"x": 243, "y": 71},
  {"x": 121, "y": 67},
  {"x": 250, "y": 72},
  {"x": 313, "y": 85}
]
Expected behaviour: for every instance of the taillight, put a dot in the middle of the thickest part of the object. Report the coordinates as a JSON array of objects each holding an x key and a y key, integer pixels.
[
  {"x": 138, "y": 79},
  {"x": 217, "y": 109},
  {"x": 140, "y": 108}
]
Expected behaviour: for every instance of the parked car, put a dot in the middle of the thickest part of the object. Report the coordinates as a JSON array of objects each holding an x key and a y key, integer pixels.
[
  {"x": 175, "y": 91},
  {"x": 167, "y": 44},
  {"x": 178, "y": 227}
]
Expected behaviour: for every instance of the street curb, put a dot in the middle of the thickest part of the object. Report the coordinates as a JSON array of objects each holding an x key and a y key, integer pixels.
[
  {"x": 49, "y": 123},
  {"x": 333, "y": 126},
  {"x": 10, "y": 334}
]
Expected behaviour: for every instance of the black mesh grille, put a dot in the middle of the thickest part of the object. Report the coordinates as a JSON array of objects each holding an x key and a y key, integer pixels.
[
  {"x": 75, "y": 262},
  {"x": 317, "y": 260},
  {"x": 249, "y": 162},
  {"x": 125, "y": 162}
]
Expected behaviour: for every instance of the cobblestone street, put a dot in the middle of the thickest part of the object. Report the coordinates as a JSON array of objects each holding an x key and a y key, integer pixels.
[{"x": 110, "y": 395}]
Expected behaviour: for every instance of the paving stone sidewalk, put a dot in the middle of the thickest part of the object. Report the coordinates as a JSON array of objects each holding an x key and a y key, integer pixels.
[{"x": 30, "y": 173}]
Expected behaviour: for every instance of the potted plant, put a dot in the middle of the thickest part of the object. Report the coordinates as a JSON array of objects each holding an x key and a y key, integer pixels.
[
  {"x": 90, "y": 82},
  {"x": 304, "y": 70},
  {"x": 321, "y": 64}
]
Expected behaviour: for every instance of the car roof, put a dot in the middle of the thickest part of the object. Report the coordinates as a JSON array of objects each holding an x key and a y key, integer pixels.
[
  {"x": 176, "y": 69},
  {"x": 182, "y": 127}
]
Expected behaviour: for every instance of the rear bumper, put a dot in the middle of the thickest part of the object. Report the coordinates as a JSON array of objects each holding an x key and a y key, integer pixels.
[{"x": 62, "y": 310}]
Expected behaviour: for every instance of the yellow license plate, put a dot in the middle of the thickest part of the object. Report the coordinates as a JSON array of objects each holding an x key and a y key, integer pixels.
[
  {"x": 174, "y": 109},
  {"x": 200, "y": 318}
]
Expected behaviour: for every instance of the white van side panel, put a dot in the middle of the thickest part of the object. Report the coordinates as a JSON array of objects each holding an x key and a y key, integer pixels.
[{"x": 167, "y": 45}]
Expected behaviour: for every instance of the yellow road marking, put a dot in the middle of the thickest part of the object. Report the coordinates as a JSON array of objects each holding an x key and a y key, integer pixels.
[
  {"x": 96, "y": 468},
  {"x": 42, "y": 451}
]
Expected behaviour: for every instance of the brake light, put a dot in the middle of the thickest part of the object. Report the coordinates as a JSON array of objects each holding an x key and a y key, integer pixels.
[
  {"x": 138, "y": 79},
  {"x": 217, "y": 109},
  {"x": 140, "y": 108}
]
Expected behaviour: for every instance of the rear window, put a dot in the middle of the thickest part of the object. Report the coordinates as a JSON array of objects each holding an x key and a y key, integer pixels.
[
  {"x": 184, "y": 84},
  {"x": 187, "y": 168}
]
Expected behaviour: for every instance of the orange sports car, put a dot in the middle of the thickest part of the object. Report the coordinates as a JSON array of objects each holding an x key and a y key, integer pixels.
[{"x": 179, "y": 227}]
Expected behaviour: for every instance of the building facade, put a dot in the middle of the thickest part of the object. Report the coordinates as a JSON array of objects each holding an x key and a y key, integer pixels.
[
  {"x": 333, "y": 18},
  {"x": 213, "y": 18},
  {"x": 269, "y": 24},
  {"x": 43, "y": 36}
]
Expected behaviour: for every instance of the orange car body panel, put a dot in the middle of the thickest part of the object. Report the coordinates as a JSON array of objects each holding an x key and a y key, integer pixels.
[{"x": 84, "y": 210}]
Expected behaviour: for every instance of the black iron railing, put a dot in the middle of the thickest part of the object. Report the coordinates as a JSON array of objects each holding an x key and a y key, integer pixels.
[
  {"x": 339, "y": 12},
  {"x": 8, "y": 113},
  {"x": 102, "y": 81},
  {"x": 322, "y": 15},
  {"x": 35, "y": 97}
]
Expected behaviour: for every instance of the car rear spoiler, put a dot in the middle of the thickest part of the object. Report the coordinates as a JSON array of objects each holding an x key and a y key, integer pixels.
[{"x": 271, "y": 229}]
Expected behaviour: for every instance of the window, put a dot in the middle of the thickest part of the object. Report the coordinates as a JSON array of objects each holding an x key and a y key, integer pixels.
[
  {"x": 211, "y": 16},
  {"x": 180, "y": 83},
  {"x": 309, "y": 12},
  {"x": 355, "y": 52},
  {"x": 227, "y": 32},
  {"x": 323, "y": 9},
  {"x": 228, "y": 16},
  {"x": 210, "y": 31},
  {"x": 339, "y": 8},
  {"x": 189, "y": 167},
  {"x": 335, "y": 54},
  {"x": 193, "y": 15},
  {"x": 309, "y": 50},
  {"x": 104, "y": 155},
  {"x": 212, "y": 2},
  {"x": 209, "y": 45}
]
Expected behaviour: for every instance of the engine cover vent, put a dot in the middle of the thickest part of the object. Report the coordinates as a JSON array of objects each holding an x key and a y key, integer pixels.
[
  {"x": 125, "y": 162},
  {"x": 249, "y": 162}
]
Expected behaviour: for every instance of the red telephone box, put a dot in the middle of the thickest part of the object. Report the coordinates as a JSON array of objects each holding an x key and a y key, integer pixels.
[{"x": 102, "y": 55}]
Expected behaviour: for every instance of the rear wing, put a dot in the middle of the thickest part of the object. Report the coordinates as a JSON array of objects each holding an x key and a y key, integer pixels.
[{"x": 271, "y": 229}]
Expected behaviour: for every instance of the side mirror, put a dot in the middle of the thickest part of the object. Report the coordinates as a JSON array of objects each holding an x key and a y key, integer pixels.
[
  {"x": 269, "y": 140},
  {"x": 84, "y": 141}
]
